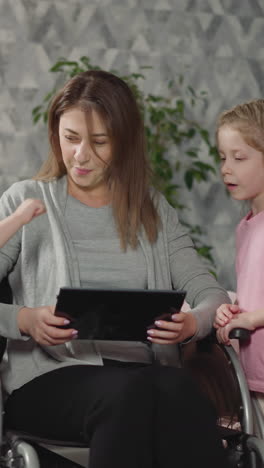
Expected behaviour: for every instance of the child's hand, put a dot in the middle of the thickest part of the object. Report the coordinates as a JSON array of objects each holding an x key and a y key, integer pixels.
[
  {"x": 224, "y": 314},
  {"x": 29, "y": 209},
  {"x": 248, "y": 320},
  {"x": 242, "y": 320}
]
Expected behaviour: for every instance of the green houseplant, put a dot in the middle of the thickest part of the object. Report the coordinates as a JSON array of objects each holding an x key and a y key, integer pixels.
[{"x": 173, "y": 138}]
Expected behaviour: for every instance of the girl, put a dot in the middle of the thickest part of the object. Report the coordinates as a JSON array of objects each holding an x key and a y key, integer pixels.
[{"x": 240, "y": 141}]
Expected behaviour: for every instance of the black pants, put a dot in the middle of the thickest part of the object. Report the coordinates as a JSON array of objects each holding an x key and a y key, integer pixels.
[{"x": 133, "y": 416}]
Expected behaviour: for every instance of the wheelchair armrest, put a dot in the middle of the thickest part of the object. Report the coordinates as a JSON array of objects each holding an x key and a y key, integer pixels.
[{"x": 240, "y": 334}]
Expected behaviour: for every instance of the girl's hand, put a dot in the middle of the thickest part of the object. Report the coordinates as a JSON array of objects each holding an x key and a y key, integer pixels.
[
  {"x": 182, "y": 326},
  {"x": 224, "y": 314},
  {"x": 247, "y": 320},
  {"x": 41, "y": 324},
  {"x": 29, "y": 209},
  {"x": 242, "y": 320}
]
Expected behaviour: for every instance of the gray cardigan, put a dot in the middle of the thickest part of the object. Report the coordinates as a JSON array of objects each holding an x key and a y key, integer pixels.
[{"x": 40, "y": 259}]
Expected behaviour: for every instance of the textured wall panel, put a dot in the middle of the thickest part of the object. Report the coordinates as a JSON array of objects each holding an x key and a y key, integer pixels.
[{"x": 220, "y": 41}]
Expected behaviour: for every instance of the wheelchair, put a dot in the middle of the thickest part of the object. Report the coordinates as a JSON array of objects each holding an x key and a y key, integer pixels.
[{"x": 217, "y": 370}]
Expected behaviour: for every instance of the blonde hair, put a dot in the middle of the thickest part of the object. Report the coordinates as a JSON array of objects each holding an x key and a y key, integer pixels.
[
  {"x": 128, "y": 173},
  {"x": 248, "y": 119}
]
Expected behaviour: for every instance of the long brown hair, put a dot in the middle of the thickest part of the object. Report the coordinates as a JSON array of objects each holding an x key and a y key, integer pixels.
[
  {"x": 248, "y": 119},
  {"x": 128, "y": 172}
]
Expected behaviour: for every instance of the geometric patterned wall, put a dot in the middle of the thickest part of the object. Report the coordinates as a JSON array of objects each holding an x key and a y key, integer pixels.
[{"x": 218, "y": 44}]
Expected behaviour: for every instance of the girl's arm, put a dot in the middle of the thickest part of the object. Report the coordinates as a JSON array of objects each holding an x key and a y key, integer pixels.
[
  {"x": 256, "y": 319},
  {"x": 8, "y": 227},
  {"x": 28, "y": 210},
  {"x": 13, "y": 215}
]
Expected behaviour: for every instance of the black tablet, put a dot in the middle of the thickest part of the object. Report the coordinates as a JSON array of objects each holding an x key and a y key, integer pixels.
[{"x": 116, "y": 314}]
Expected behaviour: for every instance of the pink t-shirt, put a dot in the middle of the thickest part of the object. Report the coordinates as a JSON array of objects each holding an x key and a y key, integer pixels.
[{"x": 250, "y": 292}]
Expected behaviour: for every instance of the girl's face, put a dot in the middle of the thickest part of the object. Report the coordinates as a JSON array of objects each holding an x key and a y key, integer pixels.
[
  {"x": 85, "y": 169},
  {"x": 242, "y": 168}
]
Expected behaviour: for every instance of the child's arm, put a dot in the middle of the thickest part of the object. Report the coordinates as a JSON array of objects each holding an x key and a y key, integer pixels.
[
  {"x": 28, "y": 210},
  {"x": 247, "y": 320}
]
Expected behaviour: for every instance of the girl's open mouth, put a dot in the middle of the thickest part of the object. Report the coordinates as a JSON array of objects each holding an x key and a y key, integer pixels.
[{"x": 231, "y": 186}]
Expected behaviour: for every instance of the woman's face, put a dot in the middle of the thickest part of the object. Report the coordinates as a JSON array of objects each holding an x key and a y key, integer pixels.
[{"x": 85, "y": 168}]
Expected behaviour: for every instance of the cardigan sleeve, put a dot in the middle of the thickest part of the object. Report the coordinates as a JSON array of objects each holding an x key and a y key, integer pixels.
[{"x": 204, "y": 294}]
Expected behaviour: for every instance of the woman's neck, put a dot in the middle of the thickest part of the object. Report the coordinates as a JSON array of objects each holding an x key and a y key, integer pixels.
[{"x": 94, "y": 198}]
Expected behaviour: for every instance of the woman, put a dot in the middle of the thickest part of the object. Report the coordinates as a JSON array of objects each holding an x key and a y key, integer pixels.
[{"x": 104, "y": 227}]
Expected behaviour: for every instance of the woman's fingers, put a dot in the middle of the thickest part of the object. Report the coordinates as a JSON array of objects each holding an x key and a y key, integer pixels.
[
  {"x": 52, "y": 336},
  {"x": 163, "y": 333},
  {"x": 182, "y": 326},
  {"x": 170, "y": 326},
  {"x": 48, "y": 340},
  {"x": 55, "y": 334},
  {"x": 43, "y": 326},
  {"x": 56, "y": 321},
  {"x": 169, "y": 332},
  {"x": 59, "y": 333}
]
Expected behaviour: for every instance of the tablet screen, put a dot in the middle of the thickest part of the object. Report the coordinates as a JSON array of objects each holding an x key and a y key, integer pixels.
[{"x": 116, "y": 314}]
